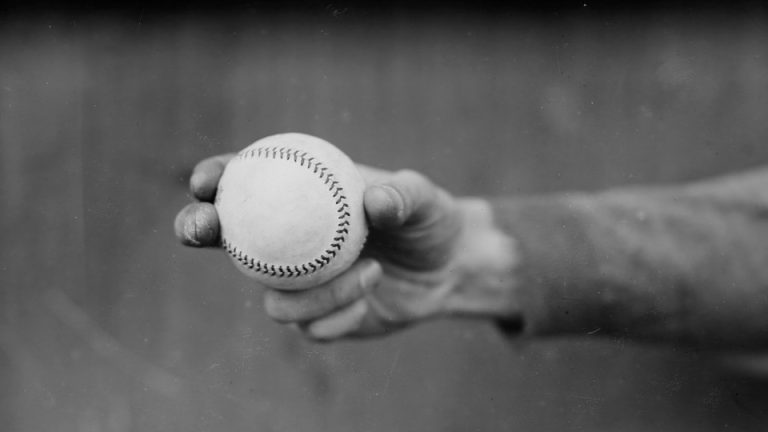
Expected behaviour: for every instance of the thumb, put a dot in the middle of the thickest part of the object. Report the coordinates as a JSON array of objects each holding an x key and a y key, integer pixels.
[{"x": 406, "y": 198}]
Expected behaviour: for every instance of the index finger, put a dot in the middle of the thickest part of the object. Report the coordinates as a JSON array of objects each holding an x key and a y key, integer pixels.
[{"x": 205, "y": 177}]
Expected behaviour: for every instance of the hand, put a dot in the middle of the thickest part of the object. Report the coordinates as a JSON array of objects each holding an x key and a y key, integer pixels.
[{"x": 418, "y": 262}]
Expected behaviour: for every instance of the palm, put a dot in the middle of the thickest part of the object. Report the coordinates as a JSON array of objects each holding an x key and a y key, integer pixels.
[{"x": 415, "y": 257}]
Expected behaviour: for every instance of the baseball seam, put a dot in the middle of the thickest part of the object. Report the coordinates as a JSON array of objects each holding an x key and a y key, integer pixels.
[{"x": 304, "y": 159}]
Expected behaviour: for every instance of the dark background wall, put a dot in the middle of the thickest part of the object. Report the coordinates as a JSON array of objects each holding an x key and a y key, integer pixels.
[{"x": 106, "y": 324}]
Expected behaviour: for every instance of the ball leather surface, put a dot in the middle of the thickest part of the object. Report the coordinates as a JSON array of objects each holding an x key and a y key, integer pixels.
[{"x": 291, "y": 211}]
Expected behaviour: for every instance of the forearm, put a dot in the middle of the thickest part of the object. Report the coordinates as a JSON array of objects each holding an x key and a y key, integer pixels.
[{"x": 678, "y": 264}]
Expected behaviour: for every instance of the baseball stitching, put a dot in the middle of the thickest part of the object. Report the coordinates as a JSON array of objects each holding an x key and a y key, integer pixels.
[{"x": 337, "y": 192}]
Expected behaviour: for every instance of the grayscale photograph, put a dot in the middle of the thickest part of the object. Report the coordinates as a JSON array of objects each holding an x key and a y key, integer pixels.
[{"x": 393, "y": 216}]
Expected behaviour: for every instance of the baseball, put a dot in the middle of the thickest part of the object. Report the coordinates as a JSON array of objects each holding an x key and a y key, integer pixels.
[{"x": 291, "y": 211}]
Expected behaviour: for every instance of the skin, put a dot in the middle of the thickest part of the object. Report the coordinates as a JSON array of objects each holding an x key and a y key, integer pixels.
[
  {"x": 682, "y": 264},
  {"x": 428, "y": 255}
]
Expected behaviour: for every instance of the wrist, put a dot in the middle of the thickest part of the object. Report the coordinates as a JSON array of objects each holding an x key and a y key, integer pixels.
[{"x": 483, "y": 271}]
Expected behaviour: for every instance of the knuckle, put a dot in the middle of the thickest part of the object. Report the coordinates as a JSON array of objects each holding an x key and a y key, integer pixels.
[
  {"x": 335, "y": 295},
  {"x": 368, "y": 276},
  {"x": 344, "y": 289},
  {"x": 411, "y": 176},
  {"x": 323, "y": 339},
  {"x": 307, "y": 330},
  {"x": 415, "y": 185},
  {"x": 275, "y": 308}
]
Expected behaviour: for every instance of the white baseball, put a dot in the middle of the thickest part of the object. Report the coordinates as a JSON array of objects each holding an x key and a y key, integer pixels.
[{"x": 291, "y": 211}]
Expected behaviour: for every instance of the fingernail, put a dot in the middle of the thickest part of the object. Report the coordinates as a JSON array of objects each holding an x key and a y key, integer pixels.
[
  {"x": 206, "y": 225},
  {"x": 196, "y": 181},
  {"x": 197, "y": 225},
  {"x": 182, "y": 228},
  {"x": 393, "y": 207},
  {"x": 190, "y": 231}
]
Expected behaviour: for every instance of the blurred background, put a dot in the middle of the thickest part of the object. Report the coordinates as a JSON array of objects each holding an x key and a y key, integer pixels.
[{"x": 107, "y": 324}]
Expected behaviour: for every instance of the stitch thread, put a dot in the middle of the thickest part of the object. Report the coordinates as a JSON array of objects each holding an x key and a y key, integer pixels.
[{"x": 337, "y": 192}]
